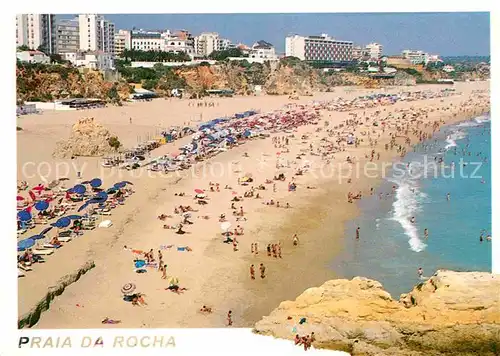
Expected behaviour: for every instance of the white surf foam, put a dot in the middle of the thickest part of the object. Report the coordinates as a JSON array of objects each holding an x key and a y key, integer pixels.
[
  {"x": 451, "y": 139},
  {"x": 407, "y": 204}
]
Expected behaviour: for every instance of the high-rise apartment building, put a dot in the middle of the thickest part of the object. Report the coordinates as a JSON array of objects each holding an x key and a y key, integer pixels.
[
  {"x": 96, "y": 33},
  {"x": 36, "y": 31},
  {"x": 123, "y": 41},
  {"x": 374, "y": 51},
  {"x": 206, "y": 43},
  {"x": 68, "y": 36},
  {"x": 318, "y": 48}
]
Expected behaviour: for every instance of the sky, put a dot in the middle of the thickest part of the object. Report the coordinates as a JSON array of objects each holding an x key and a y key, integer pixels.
[{"x": 446, "y": 34}]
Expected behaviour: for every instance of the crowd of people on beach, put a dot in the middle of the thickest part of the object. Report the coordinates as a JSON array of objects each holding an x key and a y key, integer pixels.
[{"x": 406, "y": 126}]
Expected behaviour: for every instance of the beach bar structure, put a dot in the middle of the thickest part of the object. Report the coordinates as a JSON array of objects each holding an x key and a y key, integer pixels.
[{"x": 82, "y": 103}]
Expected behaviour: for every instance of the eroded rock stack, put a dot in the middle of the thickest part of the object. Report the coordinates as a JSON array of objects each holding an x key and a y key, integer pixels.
[
  {"x": 452, "y": 313},
  {"x": 88, "y": 138}
]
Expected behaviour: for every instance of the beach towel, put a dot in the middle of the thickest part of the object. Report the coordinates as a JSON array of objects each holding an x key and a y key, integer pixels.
[
  {"x": 139, "y": 252},
  {"x": 181, "y": 248},
  {"x": 166, "y": 247}
]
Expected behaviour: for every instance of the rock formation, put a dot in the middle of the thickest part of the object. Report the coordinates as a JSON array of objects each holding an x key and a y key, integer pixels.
[
  {"x": 297, "y": 79},
  {"x": 88, "y": 138},
  {"x": 452, "y": 313}
]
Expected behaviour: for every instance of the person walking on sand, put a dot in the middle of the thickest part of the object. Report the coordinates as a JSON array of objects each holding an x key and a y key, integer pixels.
[
  {"x": 229, "y": 318},
  {"x": 164, "y": 276},
  {"x": 130, "y": 120},
  {"x": 262, "y": 271},
  {"x": 357, "y": 233},
  {"x": 295, "y": 240},
  {"x": 256, "y": 248},
  {"x": 252, "y": 272},
  {"x": 253, "y": 248}
]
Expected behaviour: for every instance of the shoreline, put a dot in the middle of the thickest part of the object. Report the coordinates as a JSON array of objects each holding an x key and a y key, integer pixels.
[
  {"x": 223, "y": 270},
  {"x": 318, "y": 267}
]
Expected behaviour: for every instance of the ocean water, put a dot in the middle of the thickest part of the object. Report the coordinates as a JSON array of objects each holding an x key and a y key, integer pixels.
[{"x": 391, "y": 247}]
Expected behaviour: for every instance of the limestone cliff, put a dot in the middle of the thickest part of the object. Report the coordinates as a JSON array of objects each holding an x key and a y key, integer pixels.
[
  {"x": 47, "y": 83},
  {"x": 452, "y": 313},
  {"x": 293, "y": 78}
]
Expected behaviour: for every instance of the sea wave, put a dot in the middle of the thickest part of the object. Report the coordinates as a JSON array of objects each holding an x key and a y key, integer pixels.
[
  {"x": 451, "y": 139},
  {"x": 475, "y": 122},
  {"x": 408, "y": 203}
]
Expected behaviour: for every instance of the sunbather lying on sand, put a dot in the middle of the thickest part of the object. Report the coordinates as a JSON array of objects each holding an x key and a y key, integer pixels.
[
  {"x": 176, "y": 289},
  {"x": 205, "y": 309},
  {"x": 107, "y": 320}
]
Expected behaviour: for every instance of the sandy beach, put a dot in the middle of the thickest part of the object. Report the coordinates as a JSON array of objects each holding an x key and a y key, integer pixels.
[{"x": 212, "y": 272}]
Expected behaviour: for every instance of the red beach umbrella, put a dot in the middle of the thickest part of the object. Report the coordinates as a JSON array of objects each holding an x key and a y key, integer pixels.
[
  {"x": 19, "y": 198},
  {"x": 199, "y": 191}
]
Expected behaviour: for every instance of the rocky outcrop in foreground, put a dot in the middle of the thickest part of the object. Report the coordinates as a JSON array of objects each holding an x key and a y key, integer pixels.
[
  {"x": 88, "y": 138},
  {"x": 33, "y": 316},
  {"x": 452, "y": 313}
]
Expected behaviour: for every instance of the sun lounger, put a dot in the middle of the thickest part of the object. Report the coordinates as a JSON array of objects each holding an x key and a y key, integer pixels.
[
  {"x": 51, "y": 246},
  {"x": 64, "y": 239},
  {"x": 20, "y": 273},
  {"x": 42, "y": 252},
  {"x": 104, "y": 213},
  {"x": 24, "y": 268}
]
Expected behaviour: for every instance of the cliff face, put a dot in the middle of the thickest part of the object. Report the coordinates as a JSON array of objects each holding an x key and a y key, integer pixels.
[
  {"x": 37, "y": 83},
  {"x": 297, "y": 79},
  {"x": 453, "y": 313}
]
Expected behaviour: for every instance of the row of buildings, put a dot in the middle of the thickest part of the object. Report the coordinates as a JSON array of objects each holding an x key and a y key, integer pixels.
[
  {"x": 91, "y": 40},
  {"x": 324, "y": 48}
]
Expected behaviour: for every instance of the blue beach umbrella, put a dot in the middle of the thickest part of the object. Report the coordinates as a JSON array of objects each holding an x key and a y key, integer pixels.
[
  {"x": 25, "y": 244},
  {"x": 62, "y": 222},
  {"x": 79, "y": 189},
  {"x": 41, "y": 205},
  {"x": 24, "y": 215},
  {"x": 111, "y": 191},
  {"x": 95, "y": 183},
  {"x": 102, "y": 196},
  {"x": 74, "y": 217},
  {"x": 120, "y": 185}
]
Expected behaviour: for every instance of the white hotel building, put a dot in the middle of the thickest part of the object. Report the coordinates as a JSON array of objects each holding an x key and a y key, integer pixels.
[
  {"x": 36, "y": 30},
  {"x": 318, "y": 48},
  {"x": 96, "y": 33}
]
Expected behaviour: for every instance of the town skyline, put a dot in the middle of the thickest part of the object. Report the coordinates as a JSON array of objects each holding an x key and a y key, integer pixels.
[{"x": 449, "y": 34}]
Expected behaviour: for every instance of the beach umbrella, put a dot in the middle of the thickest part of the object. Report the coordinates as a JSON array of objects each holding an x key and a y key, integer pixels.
[
  {"x": 41, "y": 205},
  {"x": 111, "y": 191},
  {"x": 102, "y": 196},
  {"x": 62, "y": 222},
  {"x": 120, "y": 185},
  {"x": 47, "y": 229},
  {"x": 24, "y": 215},
  {"x": 199, "y": 191},
  {"x": 128, "y": 288},
  {"x": 74, "y": 217},
  {"x": 25, "y": 244},
  {"x": 39, "y": 188},
  {"x": 95, "y": 183},
  {"x": 79, "y": 189},
  {"x": 19, "y": 198},
  {"x": 225, "y": 225}
]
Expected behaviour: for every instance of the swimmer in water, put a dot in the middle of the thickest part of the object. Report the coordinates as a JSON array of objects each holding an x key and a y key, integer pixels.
[
  {"x": 426, "y": 233},
  {"x": 412, "y": 220},
  {"x": 448, "y": 196},
  {"x": 420, "y": 272}
]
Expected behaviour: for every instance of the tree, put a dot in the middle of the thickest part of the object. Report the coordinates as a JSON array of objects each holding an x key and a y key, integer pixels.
[
  {"x": 114, "y": 142},
  {"x": 23, "y": 48},
  {"x": 224, "y": 54}
]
